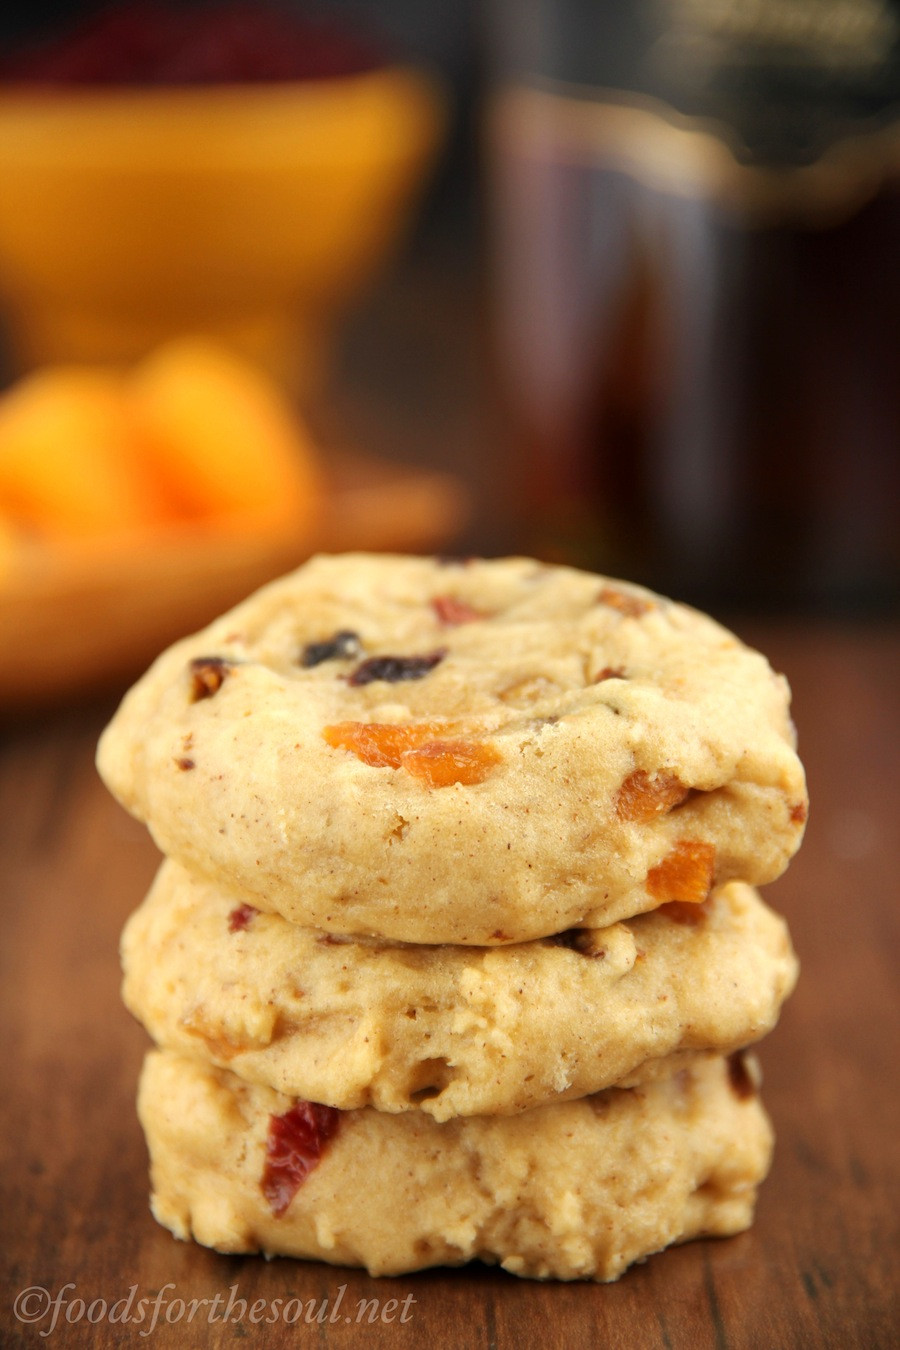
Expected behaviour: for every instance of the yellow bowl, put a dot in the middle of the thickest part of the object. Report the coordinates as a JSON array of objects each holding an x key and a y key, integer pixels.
[{"x": 252, "y": 212}]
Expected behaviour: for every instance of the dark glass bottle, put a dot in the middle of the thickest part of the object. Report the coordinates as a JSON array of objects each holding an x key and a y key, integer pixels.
[{"x": 697, "y": 263}]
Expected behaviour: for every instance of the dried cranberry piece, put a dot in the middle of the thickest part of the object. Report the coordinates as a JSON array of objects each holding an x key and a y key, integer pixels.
[
  {"x": 395, "y": 668},
  {"x": 452, "y": 611},
  {"x": 240, "y": 918},
  {"x": 294, "y": 1146},
  {"x": 150, "y": 43},
  {"x": 207, "y": 676},
  {"x": 343, "y": 645}
]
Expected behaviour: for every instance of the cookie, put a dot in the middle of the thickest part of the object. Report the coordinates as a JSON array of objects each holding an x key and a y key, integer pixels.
[
  {"x": 573, "y": 1191},
  {"x": 473, "y": 754},
  {"x": 450, "y": 1030}
]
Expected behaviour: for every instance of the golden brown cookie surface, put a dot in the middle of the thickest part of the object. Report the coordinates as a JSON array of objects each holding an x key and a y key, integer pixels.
[
  {"x": 474, "y": 753},
  {"x": 450, "y": 1030},
  {"x": 578, "y": 1190}
]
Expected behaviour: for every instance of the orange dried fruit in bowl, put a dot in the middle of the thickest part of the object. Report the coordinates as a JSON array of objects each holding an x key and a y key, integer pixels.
[
  {"x": 67, "y": 463},
  {"x": 221, "y": 436},
  {"x": 9, "y": 546}
]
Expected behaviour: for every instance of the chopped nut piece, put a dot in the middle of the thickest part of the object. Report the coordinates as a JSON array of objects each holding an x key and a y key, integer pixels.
[
  {"x": 529, "y": 690},
  {"x": 630, "y": 606},
  {"x": 218, "y": 1043},
  {"x": 207, "y": 676}
]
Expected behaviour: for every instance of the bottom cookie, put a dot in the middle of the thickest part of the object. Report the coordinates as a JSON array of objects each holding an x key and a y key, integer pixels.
[{"x": 577, "y": 1190}]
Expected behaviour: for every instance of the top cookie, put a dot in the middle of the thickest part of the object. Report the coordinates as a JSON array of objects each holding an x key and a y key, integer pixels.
[{"x": 479, "y": 752}]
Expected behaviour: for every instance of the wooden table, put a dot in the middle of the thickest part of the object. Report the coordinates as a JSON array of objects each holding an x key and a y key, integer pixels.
[{"x": 817, "y": 1270}]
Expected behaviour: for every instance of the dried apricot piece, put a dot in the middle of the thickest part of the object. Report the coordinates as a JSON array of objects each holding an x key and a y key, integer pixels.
[
  {"x": 642, "y": 797},
  {"x": 442, "y": 763},
  {"x": 685, "y": 873},
  {"x": 381, "y": 744},
  {"x": 692, "y": 915},
  {"x": 422, "y": 748}
]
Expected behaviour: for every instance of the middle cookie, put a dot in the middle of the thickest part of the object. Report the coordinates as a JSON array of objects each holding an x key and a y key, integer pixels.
[{"x": 452, "y": 1031}]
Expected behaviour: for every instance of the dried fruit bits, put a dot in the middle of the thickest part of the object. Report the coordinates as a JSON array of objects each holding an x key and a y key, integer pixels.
[{"x": 458, "y": 918}]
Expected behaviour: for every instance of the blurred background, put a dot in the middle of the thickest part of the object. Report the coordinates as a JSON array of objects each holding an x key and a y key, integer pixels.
[{"x": 612, "y": 283}]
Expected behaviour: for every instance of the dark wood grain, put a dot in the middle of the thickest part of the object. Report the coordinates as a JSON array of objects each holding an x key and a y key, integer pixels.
[{"x": 819, "y": 1267}]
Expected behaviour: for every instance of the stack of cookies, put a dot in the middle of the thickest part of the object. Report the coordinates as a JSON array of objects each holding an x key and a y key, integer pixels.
[{"x": 455, "y": 952}]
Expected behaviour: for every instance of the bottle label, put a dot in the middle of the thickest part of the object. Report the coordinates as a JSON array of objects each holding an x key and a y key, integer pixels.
[{"x": 778, "y": 109}]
